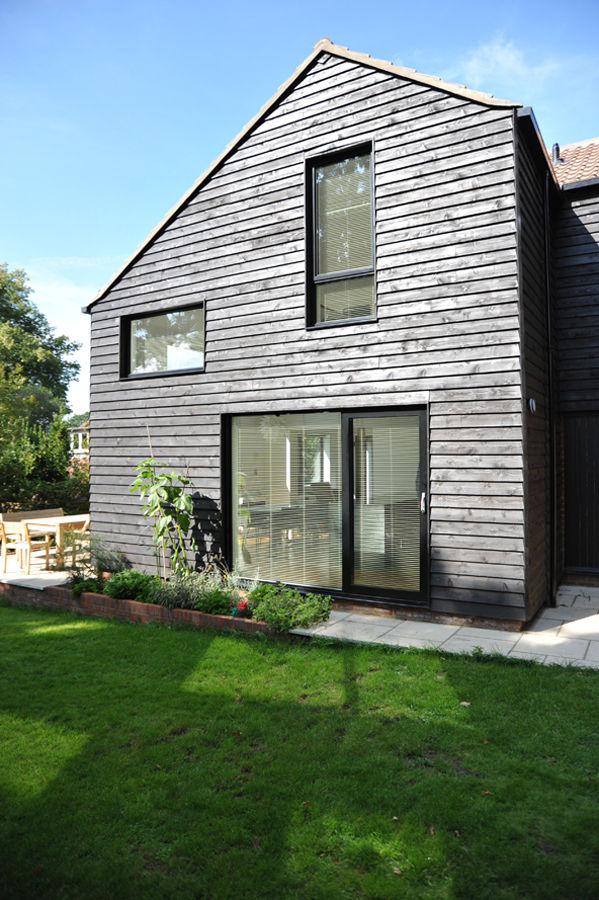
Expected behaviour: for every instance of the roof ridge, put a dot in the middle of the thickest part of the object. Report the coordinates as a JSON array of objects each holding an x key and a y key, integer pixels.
[{"x": 325, "y": 44}]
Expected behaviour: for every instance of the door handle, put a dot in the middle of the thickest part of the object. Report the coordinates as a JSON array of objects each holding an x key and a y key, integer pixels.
[{"x": 423, "y": 502}]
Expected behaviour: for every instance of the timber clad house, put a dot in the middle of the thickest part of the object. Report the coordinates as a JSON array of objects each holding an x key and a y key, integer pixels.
[{"x": 371, "y": 329}]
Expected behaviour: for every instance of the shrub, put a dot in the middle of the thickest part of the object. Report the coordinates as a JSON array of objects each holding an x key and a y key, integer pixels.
[
  {"x": 211, "y": 591},
  {"x": 284, "y": 608},
  {"x": 79, "y": 585},
  {"x": 130, "y": 584}
]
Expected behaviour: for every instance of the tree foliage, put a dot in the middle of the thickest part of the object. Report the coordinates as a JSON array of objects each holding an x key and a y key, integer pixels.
[
  {"x": 27, "y": 340},
  {"x": 35, "y": 371}
]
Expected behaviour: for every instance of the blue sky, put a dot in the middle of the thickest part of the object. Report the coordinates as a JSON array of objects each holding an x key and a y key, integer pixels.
[{"x": 110, "y": 110}]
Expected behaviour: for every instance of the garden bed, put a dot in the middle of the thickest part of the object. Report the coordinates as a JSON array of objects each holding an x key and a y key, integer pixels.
[{"x": 91, "y": 604}]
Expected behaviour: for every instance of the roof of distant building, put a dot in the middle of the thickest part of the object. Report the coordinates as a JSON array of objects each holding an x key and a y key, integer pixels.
[{"x": 576, "y": 162}]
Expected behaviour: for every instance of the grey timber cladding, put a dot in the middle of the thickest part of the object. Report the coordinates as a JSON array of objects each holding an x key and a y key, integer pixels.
[
  {"x": 534, "y": 313},
  {"x": 447, "y": 333},
  {"x": 576, "y": 257}
]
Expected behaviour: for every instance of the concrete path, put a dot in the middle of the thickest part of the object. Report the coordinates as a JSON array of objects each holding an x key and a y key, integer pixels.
[{"x": 566, "y": 634}]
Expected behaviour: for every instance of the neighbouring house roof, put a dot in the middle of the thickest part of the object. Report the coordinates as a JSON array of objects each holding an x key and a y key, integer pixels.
[
  {"x": 576, "y": 162},
  {"x": 324, "y": 45}
]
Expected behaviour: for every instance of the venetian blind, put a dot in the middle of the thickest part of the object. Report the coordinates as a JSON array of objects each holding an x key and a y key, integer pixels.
[
  {"x": 387, "y": 502},
  {"x": 343, "y": 215},
  {"x": 286, "y": 486}
]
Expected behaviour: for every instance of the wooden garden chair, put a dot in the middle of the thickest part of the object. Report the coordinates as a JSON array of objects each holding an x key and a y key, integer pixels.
[{"x": 16, "y": 537}]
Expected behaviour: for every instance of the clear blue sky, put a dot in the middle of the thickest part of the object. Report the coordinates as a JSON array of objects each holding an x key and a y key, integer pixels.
[{"x": 110, "y": 110}]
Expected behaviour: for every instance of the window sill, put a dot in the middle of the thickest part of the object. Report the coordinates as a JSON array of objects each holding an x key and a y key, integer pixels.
[
  {"x": 361, "y": 320},
  {"x": 164, "y": 373}
]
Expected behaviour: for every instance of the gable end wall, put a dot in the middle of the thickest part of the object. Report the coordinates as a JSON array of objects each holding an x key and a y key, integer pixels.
[{"x": 447, "y": 334}]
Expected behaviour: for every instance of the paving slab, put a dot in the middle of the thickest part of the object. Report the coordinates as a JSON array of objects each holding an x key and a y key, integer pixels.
[
  {"x": 531, "y": 642},
  {"x": 37, "y": 580},
  {"x": 587, "y": 627},
  {"x": 354, "y": 631},
  {"x": 593, "y": 652},
  {"x": 434, "y": 631},
  {"x": 471, "y": 631},
  {"x": 398, "y": 639},
  {"x": 566, "y": 661},
  {"x": 464, "y": 644}
]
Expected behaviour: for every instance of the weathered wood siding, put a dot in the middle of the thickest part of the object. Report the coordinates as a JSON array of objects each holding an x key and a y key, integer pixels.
[
  {"x": 576, "y": 259},
  {"x": 535, "y": 329},
  {"x": 447, "y": 333},
  {"x": 575, "y": 253}
]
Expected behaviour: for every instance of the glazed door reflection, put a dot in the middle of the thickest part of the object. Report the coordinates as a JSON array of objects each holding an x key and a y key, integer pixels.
[{"x": 388, "y": 504}]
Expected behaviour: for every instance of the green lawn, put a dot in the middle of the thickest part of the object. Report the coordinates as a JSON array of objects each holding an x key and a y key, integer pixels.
[{"x": 153, "y": 762}]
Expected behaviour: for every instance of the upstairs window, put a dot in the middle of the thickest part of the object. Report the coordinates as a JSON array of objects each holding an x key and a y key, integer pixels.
[
  {"x": 341, "y": 262},
  {"x": 163, "y": 342}
]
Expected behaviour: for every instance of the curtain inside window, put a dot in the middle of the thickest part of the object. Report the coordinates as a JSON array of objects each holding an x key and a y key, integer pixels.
[{"x": 286, "y": 486}]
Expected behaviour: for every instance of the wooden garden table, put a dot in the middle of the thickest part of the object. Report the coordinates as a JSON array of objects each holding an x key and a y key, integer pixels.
[{"x": 59, "y": 526}]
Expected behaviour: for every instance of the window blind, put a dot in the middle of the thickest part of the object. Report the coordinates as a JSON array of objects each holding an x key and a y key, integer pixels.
[
  {"x": 343, "y": 204},
  {"x": 286, "y": 487},
  {"x": 387, "y": 502}
]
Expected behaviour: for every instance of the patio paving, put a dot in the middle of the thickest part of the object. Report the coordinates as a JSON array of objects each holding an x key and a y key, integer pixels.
[{"x": 567, "y": 634}]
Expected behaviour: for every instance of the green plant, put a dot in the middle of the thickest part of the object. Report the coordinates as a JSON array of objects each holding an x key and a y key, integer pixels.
[
  {"x": 130, "y": 584},
  {"x": 284, "y": 608},
  {"x": 212, "y": 590},
  {"x": 79, "y": 584},
  {"x": 170, "y": 509}
]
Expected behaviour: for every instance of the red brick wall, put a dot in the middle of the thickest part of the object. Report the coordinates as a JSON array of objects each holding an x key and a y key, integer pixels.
[{"x": 89, "y": 604}]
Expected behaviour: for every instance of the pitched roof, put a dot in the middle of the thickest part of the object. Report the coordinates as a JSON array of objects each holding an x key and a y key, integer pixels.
[
  {"x": 324, "y": 45},
  {"x": 578, "y": 161}
]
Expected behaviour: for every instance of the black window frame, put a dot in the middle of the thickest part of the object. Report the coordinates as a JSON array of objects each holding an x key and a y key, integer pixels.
[
  {"x": 125, "y": 342},
  {"x": 312, "y": 279},
  {"x": 349, "y": 591}
]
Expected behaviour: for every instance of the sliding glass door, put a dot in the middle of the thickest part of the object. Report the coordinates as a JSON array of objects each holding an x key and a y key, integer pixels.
[
  {"x": 386, "y": 505},
  {"x": 331, "y": 500},
  {"x": 287, "y": 498}
]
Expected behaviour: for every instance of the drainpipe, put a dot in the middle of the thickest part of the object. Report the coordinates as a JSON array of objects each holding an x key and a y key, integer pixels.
[{"x": 550, "y": 398}]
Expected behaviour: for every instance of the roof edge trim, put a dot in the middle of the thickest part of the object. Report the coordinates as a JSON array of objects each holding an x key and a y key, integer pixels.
[
  {"x": 580, "y": 185},
  {"x": 526, "y": 114},
  {"x": 324, "y": 45}
]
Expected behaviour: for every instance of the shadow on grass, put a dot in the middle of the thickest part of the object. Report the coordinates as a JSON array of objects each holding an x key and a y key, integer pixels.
[{"x": 200, "y": 765}]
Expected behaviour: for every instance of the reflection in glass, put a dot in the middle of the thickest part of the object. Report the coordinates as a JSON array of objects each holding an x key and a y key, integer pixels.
[
  {"x": 167, "y": 341},
  {"x": 387, "y": 502},
  {"x": 344, "y": 238},
  {"x": 286, "y": 485}
]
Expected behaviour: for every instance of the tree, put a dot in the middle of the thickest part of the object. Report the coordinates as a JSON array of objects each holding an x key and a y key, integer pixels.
[
  {"x": 27, "y": 340},
  {"x": 35, "y": 371}
]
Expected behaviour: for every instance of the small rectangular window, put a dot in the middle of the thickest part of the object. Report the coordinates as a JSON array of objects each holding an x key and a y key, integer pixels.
[
  {"x": 163, "y": 342},
  {"x": 341, "y": 263}
]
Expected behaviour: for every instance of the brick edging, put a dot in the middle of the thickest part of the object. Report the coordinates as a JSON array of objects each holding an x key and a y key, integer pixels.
[{"x": 90, "y": 604}]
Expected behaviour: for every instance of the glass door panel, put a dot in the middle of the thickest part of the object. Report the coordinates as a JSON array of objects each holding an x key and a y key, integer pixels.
[
  {"x": 286, "y": 487},
  {"x": 386, "y": 502}
]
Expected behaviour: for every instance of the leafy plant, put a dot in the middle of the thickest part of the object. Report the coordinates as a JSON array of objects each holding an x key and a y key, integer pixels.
[
  {"x": 284, "y": 608},
  {"x": 170, "y": 509},
  {"x": 82, "y": 585},
  {"x": 212, "y": 591},
  {"x": 130, "y": 584}
]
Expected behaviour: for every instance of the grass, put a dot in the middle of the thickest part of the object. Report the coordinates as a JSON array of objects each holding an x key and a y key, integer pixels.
[{"x": 153, "y": 762}]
